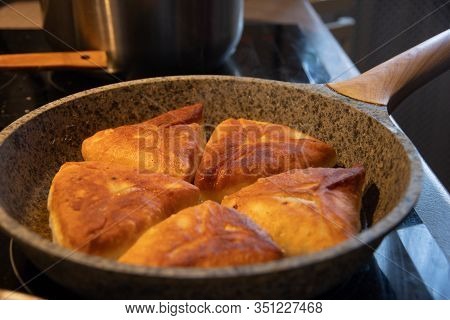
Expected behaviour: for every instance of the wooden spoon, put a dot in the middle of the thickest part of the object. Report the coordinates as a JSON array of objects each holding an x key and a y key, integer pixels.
[
  {"x": 13, "y": 295},
  {"x": 52, "y": 60}
]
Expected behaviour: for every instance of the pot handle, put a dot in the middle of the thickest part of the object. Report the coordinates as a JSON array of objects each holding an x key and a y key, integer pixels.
[
  {"x": 395, "y": 79},
  {"x": 46, "y": 60}
]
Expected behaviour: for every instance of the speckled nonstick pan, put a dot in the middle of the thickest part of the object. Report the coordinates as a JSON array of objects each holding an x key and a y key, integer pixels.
[{"x": 33, "y": 148}]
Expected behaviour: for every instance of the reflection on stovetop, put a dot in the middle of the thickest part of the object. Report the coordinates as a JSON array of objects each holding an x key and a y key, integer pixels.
[
  {"x": 399, "y": 267},
  {"x": 31, "y": 280}
]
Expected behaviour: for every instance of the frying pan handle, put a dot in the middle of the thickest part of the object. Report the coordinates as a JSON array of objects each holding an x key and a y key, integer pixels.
[
  {"x": 393, "y": 80},
  {"x": 80, "y": 59}
]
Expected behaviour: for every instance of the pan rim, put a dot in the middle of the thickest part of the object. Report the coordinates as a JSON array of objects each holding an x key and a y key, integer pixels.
[{"x": 27, "y": 237}]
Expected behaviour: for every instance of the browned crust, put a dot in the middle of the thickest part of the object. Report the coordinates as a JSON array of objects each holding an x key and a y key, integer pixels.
[
  {"x": 185, "y": 115},
  {"x": 171, "y": 143},
  {"x": 208, "y": 235},
  {"x": 241, "y": 151},
  {"x": 305, "y": 210},
  {"x": 102, "y": 208}
]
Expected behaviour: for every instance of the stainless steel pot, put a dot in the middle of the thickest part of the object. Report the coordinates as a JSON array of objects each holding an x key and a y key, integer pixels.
[{"x": 151, "y": 34}]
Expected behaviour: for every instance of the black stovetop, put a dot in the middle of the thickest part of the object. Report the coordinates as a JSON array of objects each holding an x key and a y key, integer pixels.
[{"x": 400, "y": 268}]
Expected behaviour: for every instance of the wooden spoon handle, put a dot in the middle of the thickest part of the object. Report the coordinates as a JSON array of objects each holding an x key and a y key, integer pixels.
[
  {"x": 48, "y": 60},
  {"x": 393, "y": 80}
]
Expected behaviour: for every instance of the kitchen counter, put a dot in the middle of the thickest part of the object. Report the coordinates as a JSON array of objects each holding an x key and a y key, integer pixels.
[{"x": 414, "y": 259}]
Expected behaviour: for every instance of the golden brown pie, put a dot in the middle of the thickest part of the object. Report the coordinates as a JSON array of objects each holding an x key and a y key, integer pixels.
[
  {"x": 102, "y": 208},
  {"x": 207, "y": 235},
  {"x": 185, "y": 115},
  {"x": 241, "y": 151},
  {"x": 304, "y": 210},
  {"x": 171, "y": 143}
]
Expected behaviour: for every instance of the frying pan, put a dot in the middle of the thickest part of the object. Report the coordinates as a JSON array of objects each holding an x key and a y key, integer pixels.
[{"x": 351, "y": 115}]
